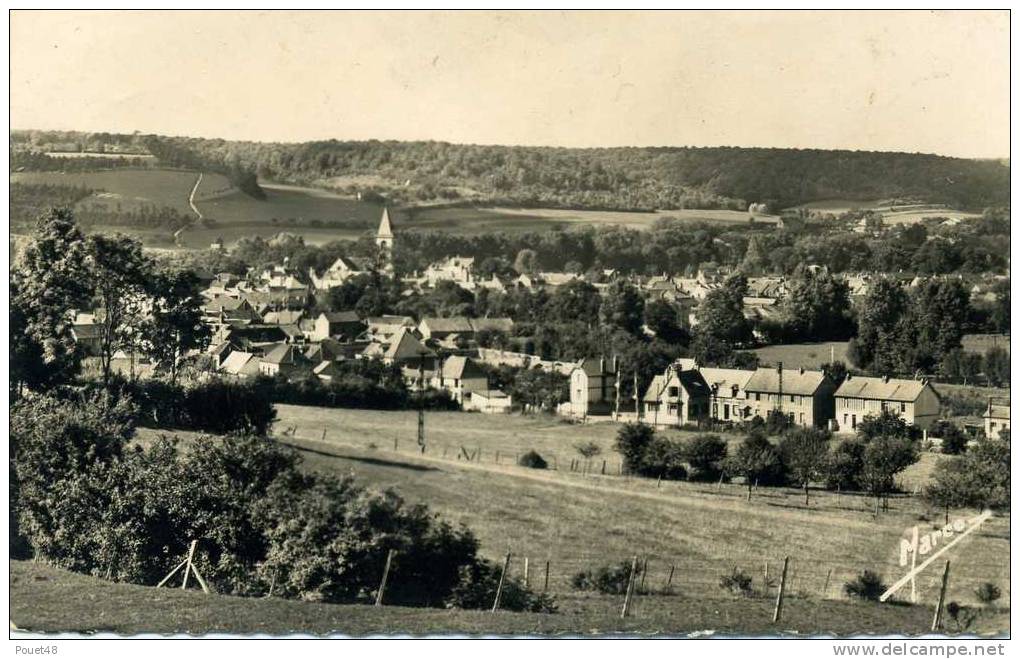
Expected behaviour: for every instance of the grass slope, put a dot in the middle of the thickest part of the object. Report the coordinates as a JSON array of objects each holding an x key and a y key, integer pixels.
[
  {"x": 579, "y": 521},
  {"x": 46, "y": 599}
]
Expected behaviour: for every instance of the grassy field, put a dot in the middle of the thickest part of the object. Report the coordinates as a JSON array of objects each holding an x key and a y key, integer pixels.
[
  {"x": 576, "y": 520},
  {"x": 45, "y": 599},
  {"x": 128, "y": 187},
  {"x": 573, "y": 521},
  {"x": 813, "y": 355},
  {"x": 802, "y": 355},
  {"x": 891, "y": 213}
]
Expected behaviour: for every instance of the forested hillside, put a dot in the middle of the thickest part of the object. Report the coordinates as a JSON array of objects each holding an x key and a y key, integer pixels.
[{"x": 614, "y": 178}]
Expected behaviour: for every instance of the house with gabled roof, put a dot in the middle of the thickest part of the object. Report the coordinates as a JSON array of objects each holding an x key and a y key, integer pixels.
[
  {"x": 728, "y": 387},
  {"x": 592, "y": 387},
  {"x": 342, "y": 269},
  {"x": 676, "y": 397},
  {"x": 805, "y": 397},
  {"x": 345, "y": 325},
  {"x": 284, "y": 359},
  {"x": 460, "y": 376},
  {"x": 240, "y": 364},
  {"x": 440, "y": 328},
  {"x": 858, "y": 396},
  {"x": 996, "y": 418}
]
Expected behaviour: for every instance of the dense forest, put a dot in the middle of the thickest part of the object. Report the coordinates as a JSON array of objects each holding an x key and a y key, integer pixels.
[{"x": 612, "y": 178}]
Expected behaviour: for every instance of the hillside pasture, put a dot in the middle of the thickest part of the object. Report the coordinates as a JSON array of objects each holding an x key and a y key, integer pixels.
[
  {"x": 577, "y": 520},
  {"x": 127, "y": 187}
]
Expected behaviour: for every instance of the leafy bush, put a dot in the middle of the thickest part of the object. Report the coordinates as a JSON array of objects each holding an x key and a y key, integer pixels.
[
  {"x": 87, "y": 504},
  {"x": 632, "y": 440},
  {"x": 705, "y": 455},
  {"x": 588, "y": 450},
  {"x": 664, "y": 459},
  {"x": 216, "y": 406},
  {"x": 608, "y": 579},
  {"x": 987, "y": 593},
  {"x": 737, "y": 583},
  {"x": 954, "y": 440},
  {"x": 533, "y": 460},
  {"x": 865, "y": 586},
  {"x": 476, "y": 589},
  {"x": 844, "y": 465}
]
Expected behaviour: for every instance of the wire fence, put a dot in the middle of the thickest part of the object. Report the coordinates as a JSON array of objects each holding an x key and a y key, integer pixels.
[{"x": 808, "y": 576}]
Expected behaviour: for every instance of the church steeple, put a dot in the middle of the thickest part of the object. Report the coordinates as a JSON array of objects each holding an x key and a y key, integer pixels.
[{"x": 384, "y": 241}]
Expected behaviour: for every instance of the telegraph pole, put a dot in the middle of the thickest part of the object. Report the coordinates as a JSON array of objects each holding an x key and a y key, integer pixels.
[{"x": 421, "y": 402}]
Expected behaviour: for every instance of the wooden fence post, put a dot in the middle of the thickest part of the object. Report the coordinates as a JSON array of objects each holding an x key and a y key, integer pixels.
[
  {"x": 630, "y": 589},
  {"x": 936, "y": 622},
  {"x": 545, "y": 588},
  {"x": 825, "y": 589},
  {"x": 765, "y": 581},
  {"x": 187, "y": 569},
  {"x": 603, "y": 467},
  {"x": 782, "y": 590},
  {"x": 669, "y": 580},
  {"x": 527, "y": 571},
  {"x": 394, "y": 443},
  {"x": 385, "y": 577},
  {"x": 502, "y": 578},
  {"x": 644, "y": 573}
]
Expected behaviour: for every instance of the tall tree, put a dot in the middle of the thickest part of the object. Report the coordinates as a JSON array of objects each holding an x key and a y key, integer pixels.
[
  {"x": 118, "y": 274},
  {"x": 173, "y": 327},
  {"x": 48, "y": 281},
  {"x": 622, "y": 307},
  {"x": 884, "y": 306},
  {"x": 805, "y": 453},
  {"x": 721, "y": 313},
  {"x": 817, "y": 308}
]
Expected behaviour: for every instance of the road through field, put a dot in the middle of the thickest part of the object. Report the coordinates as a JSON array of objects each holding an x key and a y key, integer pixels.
[{"x": 191, "y": 198}]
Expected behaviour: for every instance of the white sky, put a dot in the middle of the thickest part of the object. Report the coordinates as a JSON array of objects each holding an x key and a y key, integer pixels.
[{"x": 893, "y": 81}]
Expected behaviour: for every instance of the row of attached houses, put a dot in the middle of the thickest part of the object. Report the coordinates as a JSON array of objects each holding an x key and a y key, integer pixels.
[{"x": 688, "y": 394}]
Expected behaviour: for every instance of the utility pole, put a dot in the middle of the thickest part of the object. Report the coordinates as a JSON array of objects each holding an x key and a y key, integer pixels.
[
  {"x": 637, "y": 398},
  {"x": 616, "y": 385},
  {"x": 779, "y": 406},
  {"x": 421, "y": 402}
]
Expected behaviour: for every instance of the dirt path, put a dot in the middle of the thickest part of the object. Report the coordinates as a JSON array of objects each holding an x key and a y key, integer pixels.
[{"x": 191, "y": 198}]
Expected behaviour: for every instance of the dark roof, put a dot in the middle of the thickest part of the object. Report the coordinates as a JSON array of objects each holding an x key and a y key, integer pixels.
[
  {"x": 86, "y": 332},
  {"x": 284, "y": 354},
  {"x": 341, "y": 316},
  {"x": 593, "y": 366}
]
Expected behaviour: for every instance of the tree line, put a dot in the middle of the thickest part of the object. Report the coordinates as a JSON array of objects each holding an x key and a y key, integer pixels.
[{"x": 622, "y": 178}]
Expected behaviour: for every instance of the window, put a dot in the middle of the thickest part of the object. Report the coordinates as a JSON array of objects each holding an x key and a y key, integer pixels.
[
  {"x": 757, "y": 396},
  {"x": 726, "y": 411},
  {"x": 674, "y": 392},
  {"x": 793, "y": 398},
  {"x": 715, "y": 410},
  {"x": 903, "y": 407}
]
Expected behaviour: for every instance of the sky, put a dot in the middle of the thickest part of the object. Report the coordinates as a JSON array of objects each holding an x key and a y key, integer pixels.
[{"x": 933, "y": 82}]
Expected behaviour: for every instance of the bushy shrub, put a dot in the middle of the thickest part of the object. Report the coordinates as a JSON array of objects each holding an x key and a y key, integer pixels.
[
  {"x": 954, "y": 440},
  {"x": 737, "y": 583},
  {"x": 215, "y": 406},
  {"x": 705, "y": 455},
  {"x": 360, "y": 384},
  {"x": 632, "y": 440},
  {"x": 87, "y": 504},
  {"x": 865, "y": 586},
  {"x": 533, "y": 460},
  {"x": 987, "y": 593},
  {"x": 608, "y": 579},
  {"x": 844, "y": 465},
  {"x": 664, "y": 459},
  {"x": 476, "y": 589}
]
